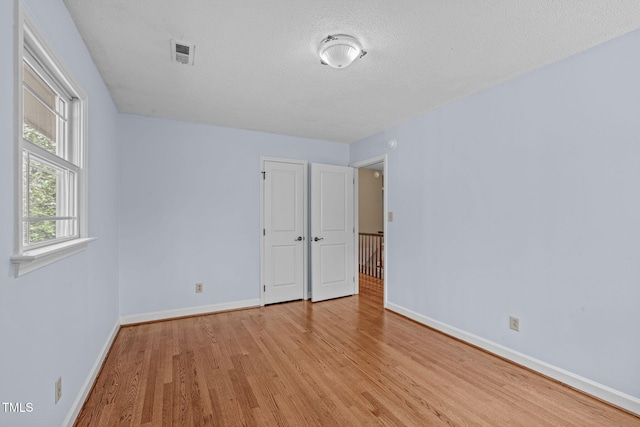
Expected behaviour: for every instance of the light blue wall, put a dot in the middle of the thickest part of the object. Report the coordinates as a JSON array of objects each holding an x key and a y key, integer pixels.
[
  {"x": 523, "y": 200},
  {"x": 190, "y": 210},
  {"x": 55, "y": 320}
]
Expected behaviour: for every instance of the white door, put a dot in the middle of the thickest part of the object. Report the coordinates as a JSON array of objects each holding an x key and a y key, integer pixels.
[
  {"x": 284, "y": 234},
  {"x": 332, "y": 232}
]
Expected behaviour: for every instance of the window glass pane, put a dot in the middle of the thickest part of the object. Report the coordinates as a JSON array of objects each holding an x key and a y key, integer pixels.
[
  {"x": 41, "y": 231},
  {"x": 62, "y": 145},
  {"x": 39, "y": 87},
  {"x": 40, "y": 201},
  {"x": 41, "y": 117},
  {"x": 42, "y": 189},
  {"x": 25, "y": 184},
  {"x": 44, "y": 230},
  {"x": 49, "y": 201}
]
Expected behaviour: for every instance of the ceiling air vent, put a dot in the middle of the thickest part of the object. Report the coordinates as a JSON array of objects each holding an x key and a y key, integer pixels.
[{"x": 182, "y": 52}]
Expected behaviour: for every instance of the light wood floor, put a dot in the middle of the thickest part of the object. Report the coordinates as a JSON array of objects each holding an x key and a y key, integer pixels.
[{"x": 345, "y": 362}]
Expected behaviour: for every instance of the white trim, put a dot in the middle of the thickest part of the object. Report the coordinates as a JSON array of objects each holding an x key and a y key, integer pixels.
[
  {"x": 188, "y": 311},
  {"x": 356, "y": 231},
  {"x": 93, "y": 373},
  {"x": 36, "y": 258},
  {"x": 46, "y": 51},
  {"x": 305, "y": 225},
  {"x": 28, "y": 260},
  {"x": 17, "y": 125},
  {"x": 262, "y": 231},
  {"x": 615, "y": 397},
  {"x": 385, "y": 225}
]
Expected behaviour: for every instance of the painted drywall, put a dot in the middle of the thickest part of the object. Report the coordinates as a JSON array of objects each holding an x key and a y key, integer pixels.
[
  {"x": 525, "y": 205},
  {"x": 370, "y": 203},
  {"x": 190, "y": 210},
  {"x": 522, "y": 200},
  {"x": 55, "y": 320}
]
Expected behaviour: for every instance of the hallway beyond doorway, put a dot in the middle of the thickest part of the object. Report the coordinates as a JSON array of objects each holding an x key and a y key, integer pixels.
[{"x": 372, "y": 288}]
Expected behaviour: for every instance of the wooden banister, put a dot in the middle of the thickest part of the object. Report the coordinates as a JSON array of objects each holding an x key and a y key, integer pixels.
[{"x": 371, "y": 254}]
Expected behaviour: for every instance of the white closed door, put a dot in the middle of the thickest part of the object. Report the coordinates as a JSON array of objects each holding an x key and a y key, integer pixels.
[
  {"x": 284, "y": 236},
  {"x": 332, "y": 232}
]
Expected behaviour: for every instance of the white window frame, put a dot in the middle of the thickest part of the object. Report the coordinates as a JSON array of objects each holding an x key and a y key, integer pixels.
[{"x": 29, "y": 39}]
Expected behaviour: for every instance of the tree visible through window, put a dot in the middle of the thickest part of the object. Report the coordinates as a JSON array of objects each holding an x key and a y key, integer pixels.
[{"x": 40, "y": 192}]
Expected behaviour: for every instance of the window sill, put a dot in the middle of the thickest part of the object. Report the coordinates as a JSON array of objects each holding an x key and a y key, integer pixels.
[{"x": 36, "y": 258}]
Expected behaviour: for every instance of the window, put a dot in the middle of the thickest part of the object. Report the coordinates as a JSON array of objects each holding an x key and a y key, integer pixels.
[{"x": 51, "y": 162}]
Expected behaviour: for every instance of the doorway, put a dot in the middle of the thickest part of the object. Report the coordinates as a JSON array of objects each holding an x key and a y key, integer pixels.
[
  {"x": 333, "y": 238},
  {"x": 371, "y": 222},
  {"x": 285, "y": 239}
]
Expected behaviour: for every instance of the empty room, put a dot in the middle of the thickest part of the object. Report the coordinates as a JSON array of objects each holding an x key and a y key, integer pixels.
[{"x": 409, "y": 212}]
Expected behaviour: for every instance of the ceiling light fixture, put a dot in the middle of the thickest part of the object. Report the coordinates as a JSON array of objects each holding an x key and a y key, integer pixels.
[{"x": 339, "y": 51}]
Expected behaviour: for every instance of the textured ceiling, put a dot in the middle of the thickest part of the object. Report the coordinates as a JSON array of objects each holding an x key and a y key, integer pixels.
[{"x": 256, "y": 65}]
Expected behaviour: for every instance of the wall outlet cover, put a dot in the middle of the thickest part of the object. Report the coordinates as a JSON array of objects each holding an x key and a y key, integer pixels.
[
  {"x": 514, "y": 323},
  {"x": 58, "y": 386}
]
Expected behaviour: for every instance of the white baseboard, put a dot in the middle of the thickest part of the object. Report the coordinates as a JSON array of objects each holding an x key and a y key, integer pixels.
[
  {"x": 88, "y": 383},
  {"x": 615, "y": 397},
  {"x": 189, "y": 311}
]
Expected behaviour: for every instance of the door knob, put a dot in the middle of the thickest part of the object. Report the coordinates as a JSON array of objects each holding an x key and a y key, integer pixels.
[
  {"x": 299, "y": 239},
  {"x": 315, "y": 239}
]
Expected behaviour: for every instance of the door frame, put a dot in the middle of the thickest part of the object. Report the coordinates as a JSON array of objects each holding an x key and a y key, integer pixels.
[
  {"x": 385, "y": 172},
  {"x": 305, "y": 225}
]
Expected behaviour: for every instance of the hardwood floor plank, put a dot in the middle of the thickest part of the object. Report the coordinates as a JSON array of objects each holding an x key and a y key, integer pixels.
[
  {"x": 342, "y": 362},
  {"x": 167, "y": 404},
  {"x": 149, "y": 394}
]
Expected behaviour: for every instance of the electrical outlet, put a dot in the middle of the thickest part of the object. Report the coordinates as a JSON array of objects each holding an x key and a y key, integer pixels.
[
  {"x": 514, "y": 323},
  {"x": 198, "y": 288},
  {"x": 58, "y": 389}
]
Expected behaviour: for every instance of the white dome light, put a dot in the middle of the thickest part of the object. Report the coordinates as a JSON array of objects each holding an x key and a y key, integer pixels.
[{"x": 339, "y": 51}]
